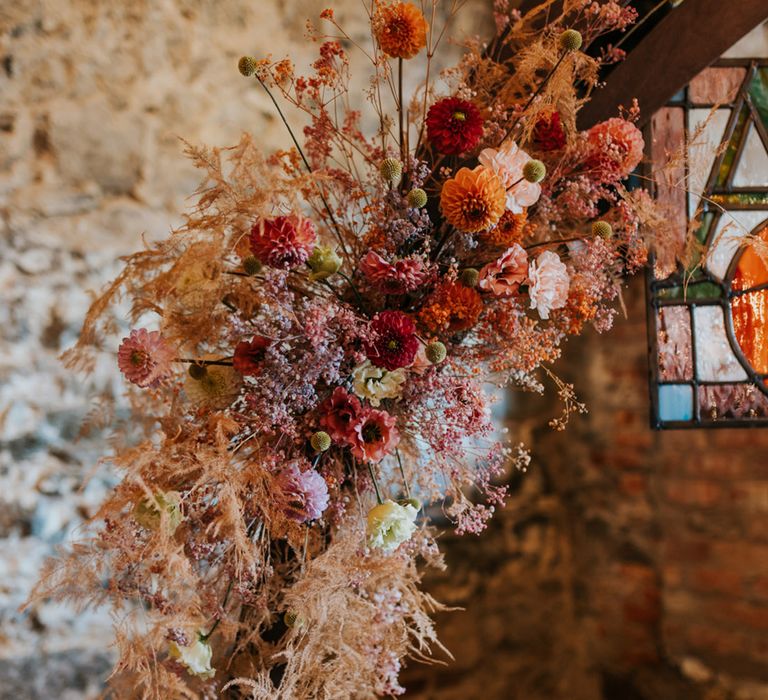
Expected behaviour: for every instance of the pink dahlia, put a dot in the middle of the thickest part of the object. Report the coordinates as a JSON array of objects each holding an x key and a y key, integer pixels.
[
  {"x": 145, "y": 357},
  {"x": 302, "y": 495},
  {"x": 374, "y": 435},
  {"x": 548, "y": 282},
  {"x": 394, "y": 342},
  {"x": 615, "y": 148},
  {"x": 399, "y": 277},
  {"x": 504, "y": 276},
  {"x": 284, "y": 242},
  {"x": 454, "y": 126},
  {"x": 341, "y": 410},
  {"x": 250, "y": 354}
]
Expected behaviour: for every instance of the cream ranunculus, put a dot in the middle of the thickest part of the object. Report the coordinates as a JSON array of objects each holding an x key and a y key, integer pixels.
[
  {"x": 196, "y": 658},
  {"x": 376, "y": 383},
  {"x": 548, "y": 283},
  {"x": 390, "y": 524}
]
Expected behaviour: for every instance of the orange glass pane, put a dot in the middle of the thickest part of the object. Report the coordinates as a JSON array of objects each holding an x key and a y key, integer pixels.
[{"x": 750, "y": 310}]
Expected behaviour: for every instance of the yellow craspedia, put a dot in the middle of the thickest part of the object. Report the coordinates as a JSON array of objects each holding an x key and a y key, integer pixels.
[
  {"x": 570, "y": 40},
  {"x": 320, "y": 441},
  {"x": 602, "y": 229},
  {"x": 252, "y": 265},
  {"x": 534, "y": 170},
  {"x": 391, "y": 170},
  {"x": 469, "y": 277},
  {"x": 417, "y": 198},
  {"x": 435, "y": 352},
  {"x": 247, "y": 65}
]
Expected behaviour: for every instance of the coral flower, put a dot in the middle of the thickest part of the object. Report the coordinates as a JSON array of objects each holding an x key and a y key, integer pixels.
[
  {"x": 400, "y": 29},
  {"x": 508, "y": 231},
  {"x": 341, "y": 411},
  {"x": 394, "y": 344},
  {"x": 616, "y": 148},
  {"x": 504, "y": 276},
  {"x": 145, "y": 357},
  {"x": 508, "y": 163},
  {"x": 548, "y": 133},
  {"x": 374, "y": 435},
  {"x": 473, "y": 200},
  {"x": 303, "y": 495},
  {"x": 451, "y": 308},
  {"x": 250, "y": 354},
  {"x": 549, "y": 282},
  {"x": 283, "y": 242},
  {"x": 399, "y": 277},
  {"x": 454, "y": 126}
]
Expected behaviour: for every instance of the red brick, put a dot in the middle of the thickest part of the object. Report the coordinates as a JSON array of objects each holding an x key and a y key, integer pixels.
[
  {"x": 694, "y": 492},
  {"x": 633, "y": 484},
  {"x": 713, "y": 580}
]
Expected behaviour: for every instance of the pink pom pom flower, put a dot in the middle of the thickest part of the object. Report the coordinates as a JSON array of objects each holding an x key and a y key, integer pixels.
[{"x": 145, "y": 357}]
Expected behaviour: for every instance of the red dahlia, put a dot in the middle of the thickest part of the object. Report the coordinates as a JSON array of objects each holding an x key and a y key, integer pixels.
[
  {"x": 394, "y": 342},
  {"x": 548, "y": 134},
  {"x": 250, "y": 354},
  {"x": 454, "y": 126},
  {"x": 283, "y": 242}
]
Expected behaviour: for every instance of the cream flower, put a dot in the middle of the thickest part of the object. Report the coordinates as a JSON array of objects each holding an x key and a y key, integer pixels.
[
  {"x": 196, "y": 658},
  {"x": 390, "y": 524},
  {"x": 149, "y": 512},
  {"x": 376, "y": 383},
  {"x": 508, "y": 163},
  {"x": 548, "y": 283}
]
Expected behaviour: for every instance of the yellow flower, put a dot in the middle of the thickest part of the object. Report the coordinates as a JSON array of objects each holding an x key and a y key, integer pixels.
[{"x": 390, "y": 524}]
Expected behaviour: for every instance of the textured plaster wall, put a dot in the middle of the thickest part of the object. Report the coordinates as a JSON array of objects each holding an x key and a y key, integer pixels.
[{"x": 94, "y": 95}]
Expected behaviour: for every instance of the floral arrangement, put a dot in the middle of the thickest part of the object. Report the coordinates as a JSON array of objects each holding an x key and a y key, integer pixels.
[{"x": 326, "y": 325}]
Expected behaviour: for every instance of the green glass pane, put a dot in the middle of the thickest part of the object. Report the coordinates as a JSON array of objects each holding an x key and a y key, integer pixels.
[
  {"x": 700, "y": 291},
  {"x": 733, "y": 144},
  {"x": 758, "y": 91},
  {"x": 741, "y": 199}
]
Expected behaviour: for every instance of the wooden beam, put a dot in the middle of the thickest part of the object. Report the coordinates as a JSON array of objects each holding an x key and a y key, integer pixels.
[{"x": 683, "y": 43}]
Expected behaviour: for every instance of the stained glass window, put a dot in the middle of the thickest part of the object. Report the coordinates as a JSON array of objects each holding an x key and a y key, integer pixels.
[{"x": 708, "y": 323}]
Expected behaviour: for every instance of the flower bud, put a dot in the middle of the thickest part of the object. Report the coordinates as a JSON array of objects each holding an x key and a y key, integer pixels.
[
  {"x": 534, "y": 171},
  {"x": 417, "y": 198},
  {"x": 324, "y": 262},
  {"x": 570, "y": 40},
  {"x": 435, "y": 352},
  {"x": 252, "y": 265},
  {"x": 602, "y": 229},
  {"x": 197, "y": 372},
  {"x": 247, "y": 65},
  {"x": 469, "y": 277},
  {"x": 320, "y": 441},
  {"x": 391, "y": 170}
]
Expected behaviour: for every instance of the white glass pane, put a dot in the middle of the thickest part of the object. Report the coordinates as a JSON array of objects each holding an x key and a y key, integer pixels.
[
  {"x": 731, "y": 229},
  {"x": 715, "y": 360},
  {"x": 752, "y": 169},
  {"x": 702, "y": 153},
  {"x": 752, "y": 45}
]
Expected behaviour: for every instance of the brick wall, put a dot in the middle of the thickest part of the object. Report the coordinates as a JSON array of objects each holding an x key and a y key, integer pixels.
[{"x": 630, "y": 564}]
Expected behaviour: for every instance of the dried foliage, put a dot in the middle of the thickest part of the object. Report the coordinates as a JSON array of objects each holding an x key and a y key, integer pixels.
[{"x": 324, "y": 337}]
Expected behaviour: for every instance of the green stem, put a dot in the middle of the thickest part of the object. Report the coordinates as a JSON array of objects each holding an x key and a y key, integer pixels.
[
  {"x": 375, "y": 484},
  {"x": 402, "y": 473},
  {"x": 401, "y": 109}
]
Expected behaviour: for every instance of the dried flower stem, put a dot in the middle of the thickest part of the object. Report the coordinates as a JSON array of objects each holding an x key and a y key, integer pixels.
[
  {"x": 402, "y": 473},
  {"x": 375, "y": 484}
]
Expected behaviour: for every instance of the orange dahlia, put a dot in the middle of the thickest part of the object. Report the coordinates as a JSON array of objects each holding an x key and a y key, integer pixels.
[
  {"x": 451, "y": 308},
  {"x": 509, "y": 230},
  {"x": 473, "y": 200},
  {"x": 401, "y": 29}
]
